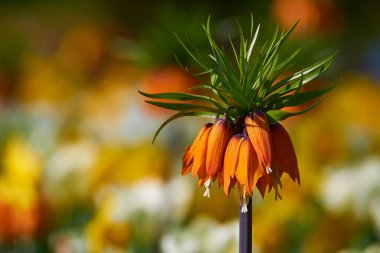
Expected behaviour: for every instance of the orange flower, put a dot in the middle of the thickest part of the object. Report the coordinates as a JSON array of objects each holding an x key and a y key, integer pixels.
[
  {"x": 284, "y": 156},
  {"x": 219, "y": 136},
  {"x": 248, "y": 170},
  {"x": 231, "y": 163},
  {"x": 218, "y": 139},
  {"x": 242, "y": 158},
  {"x": 194, "y": 159},
  {"x": 258, "y": 131}
]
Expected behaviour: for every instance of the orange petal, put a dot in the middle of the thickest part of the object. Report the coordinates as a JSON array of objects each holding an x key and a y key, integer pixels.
[
  {"x": 200, "y": 152},
  {"x": 284, "y": 156},
  {"x": 187, "y": 160},
  {"x": 231, "y": 162},
  {"x": 249, "y": 169},
  {"x": 258, "y": 131},
  {"x": 218, "y": 139},
  {"x": 188, "y": 157},
  {"x": 264, "y": 182}
]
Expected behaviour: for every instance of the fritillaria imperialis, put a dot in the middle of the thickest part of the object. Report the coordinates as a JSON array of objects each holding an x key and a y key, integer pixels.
[{"x": 246, "y": 146}]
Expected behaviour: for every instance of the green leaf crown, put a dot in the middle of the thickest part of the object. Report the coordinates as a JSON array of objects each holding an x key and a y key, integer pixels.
[{"x": 234, "y": 87}]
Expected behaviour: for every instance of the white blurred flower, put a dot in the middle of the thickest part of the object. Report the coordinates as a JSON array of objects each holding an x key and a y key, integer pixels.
[
  {"x": 148, "y": 207},
  {"x": 67, "y": 242},
  {"x": 202, "y": 235},
  {"x": 152, "y": 198},
  {"x": 67, "y": 169},
  {"x": 338, "y": 190},
  {"x": 355, "y": 189},
  {"x": 373, "y": 248}
]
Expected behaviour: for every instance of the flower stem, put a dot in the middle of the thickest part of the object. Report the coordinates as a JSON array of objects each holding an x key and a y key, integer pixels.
[{"x": 245, "y": 230}]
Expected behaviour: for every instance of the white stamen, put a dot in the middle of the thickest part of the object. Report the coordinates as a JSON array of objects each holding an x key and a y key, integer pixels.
[
  {"x": 207, "y": 193},
  {"x": 268, "y": 170},
  {"x": 207, "y": 185},
  {"x": 244, "y": 208},
  {"x": 244, "y": 205}
]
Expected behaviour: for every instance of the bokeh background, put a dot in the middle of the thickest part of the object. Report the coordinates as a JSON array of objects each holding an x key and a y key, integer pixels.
[{"x": 78, "y": 172}]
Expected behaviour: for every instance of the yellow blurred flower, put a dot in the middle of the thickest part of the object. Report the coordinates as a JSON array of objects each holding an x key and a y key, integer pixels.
[
  {"x": 105, "y": 232},
  {"x": 20, "y": 200},
  {"x": 121, "y": 165},
  {"x": 22, "y": 167}
]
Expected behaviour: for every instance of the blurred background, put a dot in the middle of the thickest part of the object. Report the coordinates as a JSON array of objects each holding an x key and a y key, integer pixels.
[{"x": 78, "y": 172}]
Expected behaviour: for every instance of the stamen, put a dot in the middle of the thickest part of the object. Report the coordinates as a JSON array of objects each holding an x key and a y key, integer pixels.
[
  {"x": 244, "y": 205},
  {"x": 268, "y": 170},
  {"x": 207, "y": 185}
]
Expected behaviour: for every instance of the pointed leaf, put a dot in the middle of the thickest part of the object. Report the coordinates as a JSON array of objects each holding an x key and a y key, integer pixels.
[
  {"x": 177, "y": 96},
  {"x": 307, "y": 96},
  {"x": 179, "y": 115},
  {"x": 182, "y": 106},
  {"x": 278, "y": 115}
]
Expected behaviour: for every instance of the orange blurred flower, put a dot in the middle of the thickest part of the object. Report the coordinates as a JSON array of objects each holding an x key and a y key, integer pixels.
[
  {"x": 168, "y": 78},
  {"x": 315, "y": 16}
]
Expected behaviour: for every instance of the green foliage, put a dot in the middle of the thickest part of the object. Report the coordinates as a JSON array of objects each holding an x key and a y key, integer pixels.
[{"x": 246, "y": 82}]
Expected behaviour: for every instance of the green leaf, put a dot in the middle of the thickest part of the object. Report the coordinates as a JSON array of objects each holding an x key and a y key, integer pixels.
[
  {"x": 197, "y": 75},
  {"x": 180, "y": 115},
  {"x": 202, "y": 64},
  {"x": 288, "y": 60},
  {"x": 278, "y": 115},
  {"x": 177, "y": 96},
  {"x": 307, "y": 96},
  {"x": 182, "y": 106},
  {"x": 253, "y": 43},
  {"x": 309, "y": 74},
  {"x": 277, "y": 100}
]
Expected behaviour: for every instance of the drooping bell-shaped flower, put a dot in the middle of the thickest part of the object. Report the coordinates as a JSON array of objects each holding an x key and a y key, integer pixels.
[
  {"x": 219, "y": 136},
  {"x": 194, "y": 159},
  {"x": 248, "y": 170},
  {"x": 284, "y": 156},
  {"x": 258, "y": 131},
  {"x": 231, "y": 162},
  {"x": 218, "y": 139}
]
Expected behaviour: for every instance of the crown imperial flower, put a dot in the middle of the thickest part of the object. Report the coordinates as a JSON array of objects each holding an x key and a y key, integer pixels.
[{"x": 248, "y": 147}]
